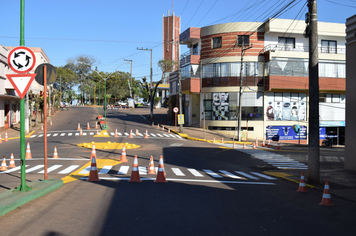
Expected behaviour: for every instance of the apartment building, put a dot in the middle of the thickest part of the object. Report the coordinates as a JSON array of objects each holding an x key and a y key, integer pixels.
[{"x": 270, "y": 61}]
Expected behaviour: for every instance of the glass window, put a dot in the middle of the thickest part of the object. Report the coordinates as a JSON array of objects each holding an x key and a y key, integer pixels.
[
  {"x": 217, "y": 70},
  {"x": 335, "y": 98},
  {"x": 243, "y": 39},
  {"x": 195, "y": 49},
  {"x": 328, "y": 46},
  {"x": 224, "y": 69},
  {"x": 217, "y": 42},
  {"x": 208, "y": 71},
  {"x": 286, "y": 44}
]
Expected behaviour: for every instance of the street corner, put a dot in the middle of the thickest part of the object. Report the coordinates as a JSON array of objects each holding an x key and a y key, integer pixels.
[{"x": 108, "y": 145}]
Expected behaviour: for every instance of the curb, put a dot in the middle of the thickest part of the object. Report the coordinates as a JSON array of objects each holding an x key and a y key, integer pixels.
[{"x": 11, "y": 199}]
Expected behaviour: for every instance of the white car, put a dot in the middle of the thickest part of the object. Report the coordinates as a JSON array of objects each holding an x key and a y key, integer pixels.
[{"x": 120, "y": 103}]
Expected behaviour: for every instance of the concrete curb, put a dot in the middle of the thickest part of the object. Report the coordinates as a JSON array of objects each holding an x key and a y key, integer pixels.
[{"x": 11, "y": 199}]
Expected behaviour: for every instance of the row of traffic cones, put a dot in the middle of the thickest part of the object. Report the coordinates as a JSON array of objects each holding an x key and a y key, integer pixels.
[
  {"x": 6, "y": 139},
  {"x": 168, "y": 129},
  {"x": 88, "y": 126},
  {"x": 326, "y": 199},
  {"x": 11, "y": 165}
]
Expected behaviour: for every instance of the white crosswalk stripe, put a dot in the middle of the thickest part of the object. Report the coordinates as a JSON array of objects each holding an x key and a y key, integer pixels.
[
  {"x": 50, "y": 169},
  {"x": 177, "y": 172},
  {"x": 85, "y": 171},
  {"x": 105, "y": 170},
  {"x": 153, "y": 135},
  {"x": 68, "y": 169},
  {"x": 195, "y": 173},
  {"x": 12, "y": 169},
  {"x": 34, "y": 168},
  {"x": 123, "y": 170},
  {"x": 62, "y": 134},
  {"x": 56, "y": 134},
  {"x": 209, "y": 172},
  {"x": 159, "y": 135},
  {"x": 228, "y": 174},
  {"x": 142, "y": 170},
  {"x": 246, "y": 175}
]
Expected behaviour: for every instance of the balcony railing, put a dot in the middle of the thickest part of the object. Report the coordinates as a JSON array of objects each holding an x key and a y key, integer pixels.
[
  {"x": 187, "y": 56},
  {"x": 284, "y": 47}
]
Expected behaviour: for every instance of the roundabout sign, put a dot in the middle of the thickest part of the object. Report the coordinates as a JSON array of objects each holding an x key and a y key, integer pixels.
[{"x": 21, "y": 60}]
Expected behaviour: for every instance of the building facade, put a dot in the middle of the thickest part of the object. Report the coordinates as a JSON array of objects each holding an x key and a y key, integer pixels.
[{"x": 270, "y": 62}]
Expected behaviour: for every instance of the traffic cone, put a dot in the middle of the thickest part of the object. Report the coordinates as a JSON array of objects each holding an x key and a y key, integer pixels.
[
  {"x": 131, "y": 135},
  {"x": 41, "y": 127},
  {"x": 153, "y": 124},
  {"x": 161, "y": 175},
  {"x": 93, "y": 174},
  {"x": 256, "y": 142},
  {"x": 169, "y": 131},
  {"x": 123, "y": 155},
  {"x": 146, "y": 134},
  {"x": 269, "y": 143},
  {"x": 55, "y": 154},
  {"x": 244, "y": 147},
  {"x": 81, "y": 132},
  {"x": 97, "y": 132},
  {"x": 135, "y": 175},
  {"x": 93, "y": 152},
  {"x": 78, "y": 126},
  {"x": 162, "y": 127},
  {"x": 88, "y": 126},
  {"x": 151, "y": 167},
  {"x": 12, "y": 161},
  {"x": 3, "y": 164},
  {"x": 278, "y": 146},
  {"x": 116, "y": 135},
  {"x": 50, "y": 122},
  {"x": 137, "y": 132},
  {"x": 6, "y": 138},
  {"x": 302, "y": 187},
  {"x": 214, "y": 140},
  {"x": 234, "y": 145},
  {"x": 0, "y": 139},
  {"x": 158, "y": 126},
  {"x": 254, "y": 145},
  {"x": 326, "y": 200},
  {"x": 222, "y": 140},
  {"x": 28, "y": 152},
  {"x": 263, "y": 143},
  {"x": 96, "y": 125}
]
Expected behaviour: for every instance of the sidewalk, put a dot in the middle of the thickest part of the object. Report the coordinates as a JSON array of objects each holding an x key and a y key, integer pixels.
[{"x": 342, "y": 182}]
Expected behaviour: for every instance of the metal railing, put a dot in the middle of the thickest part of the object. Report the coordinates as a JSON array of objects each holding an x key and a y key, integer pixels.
[{"x": 285, "y": 47}]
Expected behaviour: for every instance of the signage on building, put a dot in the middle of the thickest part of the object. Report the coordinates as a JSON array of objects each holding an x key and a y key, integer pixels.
[
  {"x": 286, "y": 132},
  {"x": 181, "y": 119}
]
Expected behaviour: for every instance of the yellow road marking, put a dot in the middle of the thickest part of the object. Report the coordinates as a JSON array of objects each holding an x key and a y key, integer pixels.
[
  {"x": 100, "y": 163},
  {"x": 284, "y": 176},
  {"x": 27, "y": 136},
  {"x": 108, "y": 145}
]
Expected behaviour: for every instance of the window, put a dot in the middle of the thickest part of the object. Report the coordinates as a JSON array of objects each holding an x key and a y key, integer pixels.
[
  {"x": 335, "y": 98},
  {"x": 286, "y": 44},
  {"x": 328, "y": 46},
  {"x": 217, "y": 42},
  {"x": 195, "y": 49},
  {"x": 243, "y": 40}
]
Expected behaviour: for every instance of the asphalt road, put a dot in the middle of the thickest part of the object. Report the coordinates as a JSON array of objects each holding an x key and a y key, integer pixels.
[{"x": 210, "y": 191}]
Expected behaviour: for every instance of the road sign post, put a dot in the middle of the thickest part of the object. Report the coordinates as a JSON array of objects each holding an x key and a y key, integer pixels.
[{"x": 175, "y": 110}]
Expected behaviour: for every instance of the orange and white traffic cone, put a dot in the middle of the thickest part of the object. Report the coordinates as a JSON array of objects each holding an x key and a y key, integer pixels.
[
  {"x": 256, "y": 142},
  {"x": 96, "y": 125},
  {"x": 97, "y": 132},
  {"x": 254, "y": 145},
  {"x": 28, "y": 152},
  {"x": 135, "y": 175},
  {"x": 214, "y": 140},
  {"x": 131, "y": 135},
  {"x": 78, "y": 126},
  {"x": 278, "y": 146},
  {"x": 6, "y": 138},
  {"x": 302, "y": 187},
  {"x": 234, "y": 145},
  {"x": 116, "y": 135},
  {"x": 81, "y": 132},
  {"x": 263, "y": 143},
  {"x": 137, "y": 132},
  {"x": 93, "y": 152},
  {"x": 55, "y": 154},
  {"x": 0, "y": 139},
  {"x": 158, "y": 126},
  {"x": 161, "y": 175},
  {"x": 326, "y": 200},
  {"x": 50, "y": 122},
  {"x": 123, "y": 155},
  {"x": 93, "y": 174},
  {"x": 41, "y": 127},
  {"x": 244, "y": 147},
  {"x": 222, "y": 140},
  {"x": 153, "y": 124},
  {"x": 88, "y": 126},
  {"x": 3, "y": 164},
  {"x": 146, "y": 134},
  {"x": 162, "y": 127},
  {"x": 269, "y": 143},
  {"x": 151, "y": 167},
  {"x": 169, "y": 131},
  {"x": 12, "y": 161}
]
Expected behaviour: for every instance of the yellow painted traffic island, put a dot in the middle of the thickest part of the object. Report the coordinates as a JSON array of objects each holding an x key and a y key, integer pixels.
[
  {"x": 102, "y": 133},
  {"x": 108, "y": 145}
]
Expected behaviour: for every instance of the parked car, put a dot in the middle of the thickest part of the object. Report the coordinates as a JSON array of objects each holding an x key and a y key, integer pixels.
[{"x": 121, "y": 103}]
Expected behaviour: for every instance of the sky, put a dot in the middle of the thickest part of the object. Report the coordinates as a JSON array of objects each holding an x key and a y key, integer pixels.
[{"x": 112, "y": 30}]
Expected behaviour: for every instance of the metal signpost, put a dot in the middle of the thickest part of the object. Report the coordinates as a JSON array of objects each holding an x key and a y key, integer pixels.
[{"x": 175, "y": 110}]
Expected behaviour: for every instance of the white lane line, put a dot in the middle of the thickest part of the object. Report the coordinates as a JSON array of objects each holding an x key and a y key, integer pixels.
[
  {"x": 32, "y": 136},
  {"x": 85, "y": 171},
  {"x": 56, "y": 134},
  {"x": 177, "y": 172},
  {"x": 159, "y": 135},
  {"x": 68, "y": 169},
  {"x": 70, "y": 134},
  {"x": 190, "y": 180},
  {"x": 228, "y": 174},
  {"x": 34, "y": 168},
  {"x": 142, "y": 170},
  {"x": 211, "y": 173},
  {"x": 298, "y": 168},
  {"x": 153, "y": 135},
  {"x": 263, "y": 176},
  {"x": 195, "y": 173},
  {"x": 11, "y": 170},
  {"x": 52, "y": 168},
  {"x": 62, "y": 134},
  {"x": 246, "y": 175},
  {"x": 123, "y": 170},
  {"x": 105, "y": 170}
]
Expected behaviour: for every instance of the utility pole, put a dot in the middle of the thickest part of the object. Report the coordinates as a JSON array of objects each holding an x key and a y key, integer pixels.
[
  {"x": 130, "y": 82},
  {"x": 151, "y": 91},
  {"x": 314, "y": 136}
]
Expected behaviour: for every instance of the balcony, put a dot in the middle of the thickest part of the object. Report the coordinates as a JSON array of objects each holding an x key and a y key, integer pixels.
[
  {"x": 188, "y": 58},
  {"x": 190, "y": 36},
  {"x": 191, "y": 85}
]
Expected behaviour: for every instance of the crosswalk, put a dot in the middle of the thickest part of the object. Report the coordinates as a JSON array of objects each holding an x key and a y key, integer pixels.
[
  {"x": 126, "y": 170},
  {"x": 112, "y": 134}
]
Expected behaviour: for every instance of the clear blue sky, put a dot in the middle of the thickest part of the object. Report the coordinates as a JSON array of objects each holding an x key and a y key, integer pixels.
[{"x": 111, "y": 30}]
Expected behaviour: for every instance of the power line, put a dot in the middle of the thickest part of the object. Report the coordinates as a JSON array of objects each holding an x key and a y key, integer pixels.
[
  {"x": 184, "y": 7},
  {"x": 194, "y": 13},
  {"x": 208, "y": 11},
  {"x": 341, "y": 4}
]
